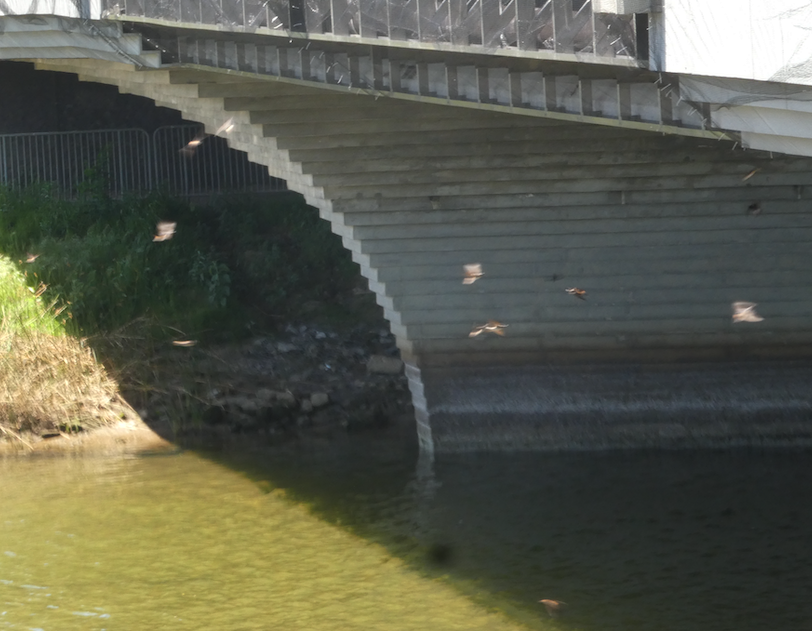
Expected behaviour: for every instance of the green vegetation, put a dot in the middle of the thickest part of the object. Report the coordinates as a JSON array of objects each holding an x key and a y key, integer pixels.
[
  {"x": 230, "y": 264},
  {"x": 89, "y": 267}
]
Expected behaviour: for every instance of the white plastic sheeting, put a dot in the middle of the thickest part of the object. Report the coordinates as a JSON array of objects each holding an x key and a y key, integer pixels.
[
  {"x": 770, "y": 116},
  {"x": 765, "y": 40},
  {"x": 88, "y": 9}
]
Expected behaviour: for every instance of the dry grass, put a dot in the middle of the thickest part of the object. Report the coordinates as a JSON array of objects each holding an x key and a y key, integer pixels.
[{"x": 49, "y": 382}]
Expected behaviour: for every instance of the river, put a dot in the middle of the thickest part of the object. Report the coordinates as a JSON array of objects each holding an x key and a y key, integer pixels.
[{"x": 361, "y": 534}]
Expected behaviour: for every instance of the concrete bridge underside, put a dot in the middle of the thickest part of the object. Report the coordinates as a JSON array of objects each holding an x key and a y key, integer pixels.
[{"x": 663, "y": 232}]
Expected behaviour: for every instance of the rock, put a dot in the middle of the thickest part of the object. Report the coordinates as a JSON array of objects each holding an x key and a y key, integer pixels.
[
  {"x": 319, "y": 399},
  {"x": 383, "y": 365},
  {"x": 241, "y": 403},
  {"x": 265, "y": 395},
  {"x": 247, "y": 405},
  {"x": 285, "y": 347},
  {"x": 286, "y": 398}
]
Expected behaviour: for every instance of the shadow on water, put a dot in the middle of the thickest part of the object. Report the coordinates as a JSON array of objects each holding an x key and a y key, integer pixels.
[{"x": 699, "y": 540}]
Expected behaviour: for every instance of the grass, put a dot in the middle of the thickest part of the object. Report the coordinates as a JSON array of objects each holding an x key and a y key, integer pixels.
[
  {"x": 49, "y": 381},
  {"x": 86, "y": 274}
]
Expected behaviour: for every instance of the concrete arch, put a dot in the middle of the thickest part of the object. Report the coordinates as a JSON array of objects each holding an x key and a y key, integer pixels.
[{"x": 656, "y": 229}]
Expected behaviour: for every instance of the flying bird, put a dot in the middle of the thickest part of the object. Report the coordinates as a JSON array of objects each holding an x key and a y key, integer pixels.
[
  {"x": 30, "y": 258},
  {"x": 491, "y": 327},
  {"x": 745, "y": 312},
  {"x": 184, "y": 343},
  {"x": 165, "y": 230},
  {"x": 754, "y": 208},
  {"x": 553, "y": 607},
  {"x": 192, "y": 145},
  {"x": 751, "y": 174},
  {"x": 473, "y": 271},
  {"x": 578, "y": 293},
  {"x": 225, "y": 127}
]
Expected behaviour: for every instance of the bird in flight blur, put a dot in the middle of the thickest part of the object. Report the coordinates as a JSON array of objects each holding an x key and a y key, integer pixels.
[
  {"x": 184, "y": 343},
  {"x": 578, "y": 293},
  {"x": 473, "y": 271},
  {"x": 492, "y": 326},
  {"x": 30, "y": 258},
  {"x": 553, "y": 607},
  {"x": 165, "y": 230},
  {"x": 225, "y": 127},
  {"x": 745, "y": 312},
  {"x": 751, "y": 174},
  {"x": 194, "y": 143}
]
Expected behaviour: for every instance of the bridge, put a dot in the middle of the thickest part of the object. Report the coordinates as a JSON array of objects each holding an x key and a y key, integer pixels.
[{"x": 655, "y": 154}]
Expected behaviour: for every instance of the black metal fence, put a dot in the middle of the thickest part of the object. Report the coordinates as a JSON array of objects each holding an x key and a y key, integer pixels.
[{"x": 133, "y": 161}]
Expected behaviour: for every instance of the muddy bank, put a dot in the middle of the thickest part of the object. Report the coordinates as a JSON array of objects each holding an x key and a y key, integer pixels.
[{"x": 302, "y": 381}]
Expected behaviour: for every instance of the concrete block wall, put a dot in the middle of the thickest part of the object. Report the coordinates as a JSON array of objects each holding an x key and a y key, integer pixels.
[{"x": 663, "y": 232}]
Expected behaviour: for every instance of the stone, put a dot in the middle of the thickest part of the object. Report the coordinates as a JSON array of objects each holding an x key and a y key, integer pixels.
[
  {"x": 383, "y": 365},
  {"x": 319, "y": 399},
  {"x": 265, "y": 395},
  {"x": 286, "y": 398},
  {"x": 241, "y": 403}
]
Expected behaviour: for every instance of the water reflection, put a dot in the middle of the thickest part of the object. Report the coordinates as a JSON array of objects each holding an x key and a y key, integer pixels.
[{"x": 363, "y": 534}]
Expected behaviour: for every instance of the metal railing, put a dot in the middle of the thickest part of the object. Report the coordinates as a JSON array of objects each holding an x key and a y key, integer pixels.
[
  {"x": 211, "y": 167},
  {"x": 561, "y": 26},
  {"x": 132, "y": 161}
]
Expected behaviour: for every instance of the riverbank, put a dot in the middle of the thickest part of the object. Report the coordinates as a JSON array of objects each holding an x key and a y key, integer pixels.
[
  {"x": 250, "y": 319},
  {"x": 304, "y": 379}
]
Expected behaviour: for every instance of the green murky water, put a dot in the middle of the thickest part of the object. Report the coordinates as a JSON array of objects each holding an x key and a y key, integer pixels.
[{"x": 359, "y": 535}]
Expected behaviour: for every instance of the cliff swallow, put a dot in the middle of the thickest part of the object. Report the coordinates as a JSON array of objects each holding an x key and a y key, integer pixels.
[
  {"x": 578, "y": 293},
  {"x": 165, "y": 229},
  {"x": 754, "y": 209},
  {"x": 226, "y": 127},
  {"x": 192, "y": 145},
  {"x": 745, "y": 312},
  {"x": 473, "y": 271},
  {"x": 30, "y": 258},
  {"x": 184, "y": 343},
  {"x": 751, "y": 174},
  {"x": 553, "y": 607},
  {"x": 492, "y": 327}
]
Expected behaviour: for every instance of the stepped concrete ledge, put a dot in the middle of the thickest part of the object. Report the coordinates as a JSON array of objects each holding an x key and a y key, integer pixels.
[{"x": 663, "y": 231}]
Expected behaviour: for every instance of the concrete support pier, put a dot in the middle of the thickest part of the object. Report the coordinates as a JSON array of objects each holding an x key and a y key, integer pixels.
[{"x": 614, "y": 406}]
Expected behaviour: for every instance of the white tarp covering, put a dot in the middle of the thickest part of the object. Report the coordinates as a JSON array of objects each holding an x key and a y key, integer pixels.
[
  {"x": 765, "y": 40},
  {"x": 89, "y": 9}
]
